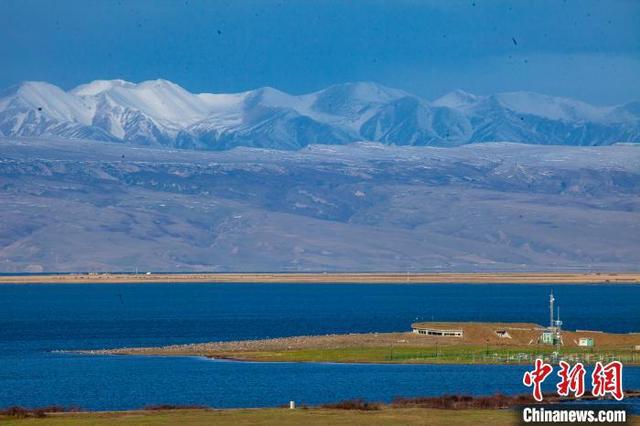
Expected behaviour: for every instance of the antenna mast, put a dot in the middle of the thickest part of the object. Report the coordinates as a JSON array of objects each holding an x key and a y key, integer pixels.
[{"x": 551, "y": 300}]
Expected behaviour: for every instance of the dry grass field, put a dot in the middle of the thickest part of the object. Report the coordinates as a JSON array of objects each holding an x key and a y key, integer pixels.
[
  {"x": 276, "y": 416},
  {"x": 280, "y": 416}
]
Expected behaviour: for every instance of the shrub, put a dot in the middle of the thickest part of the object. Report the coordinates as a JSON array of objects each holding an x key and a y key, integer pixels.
[
  {"x": 174, "y": 407},
  {"x": 22, "y": 412},
  {"x": 353, "y": 404},
  {"x": 459, "y": 402}
]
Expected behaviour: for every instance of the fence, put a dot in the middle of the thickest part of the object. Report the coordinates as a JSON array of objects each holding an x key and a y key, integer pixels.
[{"x": 512, "y": 357}]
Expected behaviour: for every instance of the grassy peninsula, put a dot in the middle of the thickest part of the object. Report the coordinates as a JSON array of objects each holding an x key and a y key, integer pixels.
[{"x": 487, "y": 343}]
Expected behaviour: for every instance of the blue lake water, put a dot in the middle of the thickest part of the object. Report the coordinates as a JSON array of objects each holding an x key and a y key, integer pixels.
[{"x": 36, "y": 320}]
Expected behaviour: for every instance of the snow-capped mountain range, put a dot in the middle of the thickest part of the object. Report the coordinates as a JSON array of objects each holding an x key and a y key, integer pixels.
[{"x": 161, "y": 113}]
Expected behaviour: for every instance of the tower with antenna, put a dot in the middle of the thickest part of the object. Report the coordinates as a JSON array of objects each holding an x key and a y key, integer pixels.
[
  {"x": 552, "y": 334},
  {"x": 551, "y": 300},
  {"x": 557, "y": 327}
]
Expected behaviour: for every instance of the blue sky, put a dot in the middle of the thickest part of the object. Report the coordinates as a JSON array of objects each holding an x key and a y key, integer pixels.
[{"x": 584, "y": 49}]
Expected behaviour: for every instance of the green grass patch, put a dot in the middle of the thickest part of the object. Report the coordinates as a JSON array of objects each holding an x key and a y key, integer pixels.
[
  {"x": 316, "y": 416},
  {"x": 462, "y": 354}
]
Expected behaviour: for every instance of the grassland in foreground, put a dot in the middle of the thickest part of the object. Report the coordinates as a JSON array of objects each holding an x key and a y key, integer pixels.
[
  {"x": 439, "y": 410},
  {"x": 279, "y": 416}
]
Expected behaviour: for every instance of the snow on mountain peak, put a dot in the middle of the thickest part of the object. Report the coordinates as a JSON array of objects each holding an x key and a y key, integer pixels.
[
  {"x": 160, "y": 99},
  {"x": 629, "y": 112},
  {"x": 553, "y": 108},
  {"x": 458, "y": 99},
  {"x": 162, "y": 112},
  {"x": 99, "y": 86},
  {"x": 351, "y": 99},
  {"x": 364, "y": 91},
  {"x": 47, "y": 99},
  {"x": 268, "y": 96}
]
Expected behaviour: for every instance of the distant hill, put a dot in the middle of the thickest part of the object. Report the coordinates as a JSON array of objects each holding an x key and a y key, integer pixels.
[
  {"x": 162, "y": 114},
  {"x": 360, "y": 207}
]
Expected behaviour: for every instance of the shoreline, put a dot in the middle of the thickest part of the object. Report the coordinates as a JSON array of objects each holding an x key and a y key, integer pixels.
[
  {"x": 446, "y": 362},
  {"x": 594, "y": 278}
]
